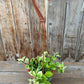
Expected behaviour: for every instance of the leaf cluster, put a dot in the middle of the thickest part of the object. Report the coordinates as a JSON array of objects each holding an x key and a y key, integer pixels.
[{"x": 35, "y": 66}]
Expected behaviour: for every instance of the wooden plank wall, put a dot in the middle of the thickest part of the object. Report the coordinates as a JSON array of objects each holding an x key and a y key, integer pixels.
[
  {"x": 19, "y": 25},
  {"x": 15, "y": 28},
  {"x": 65, "y": 28}
]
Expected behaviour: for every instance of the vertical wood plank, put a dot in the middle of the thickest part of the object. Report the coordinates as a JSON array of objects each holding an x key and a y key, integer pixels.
[
  {"x": 81, "y": 50},
  {"x": 30, "y": 25},
  {"x": 50, "y": 27},
  {"x": 72, "y": 21},
  {"x": 18, "y": 54},
  {"x": 62, "y": 42},
  {"x": 22, "y": 27},
  {"x": 50, "y": 37},
  {"x": 7, "y": 30},
  {"x": 2, "y": 47},
  {"x": 56, "y": 16},
  {"x": 81, "y": 15},
  {"x": 1, "y": 38}
]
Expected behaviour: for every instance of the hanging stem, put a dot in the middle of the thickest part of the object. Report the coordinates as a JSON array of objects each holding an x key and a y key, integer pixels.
[
  {"x": 38, "y": 11},
  {"x": 42, "y": 21},
  {"x": 43, "y": 26}
]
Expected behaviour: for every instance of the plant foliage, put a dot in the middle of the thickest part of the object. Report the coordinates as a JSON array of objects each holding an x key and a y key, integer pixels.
[{"x": 35, "y": 67}]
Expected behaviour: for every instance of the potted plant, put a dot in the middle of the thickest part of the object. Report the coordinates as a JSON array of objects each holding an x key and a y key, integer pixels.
[{"x": 35, "y": 67}]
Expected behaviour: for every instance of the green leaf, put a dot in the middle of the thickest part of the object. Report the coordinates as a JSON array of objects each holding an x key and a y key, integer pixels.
[
  {"x": 45, "y": 53},
  {"x": 30, "y": 81},
  {"x": 65, "y": 67},
  {"x": 44, "y": 77},
  {"x": 53, "y": 67},
  {"x": 39, "y": 74},
  {"x": 19, "y": 59},
  {"x": 19, "y": 62},
  {"x": 61, "y": 71},
  {"x": 48, "y": 59},
  {"x": 54, "y": 58},
  {"x": 36, "y": 82},
  {"x": 32, "y": 73},
  {"x": 39, "y": 67},
  {"x": 52, "y": 63},
  {"x": 26, "y": 60},
  {"x": 48, "y": 74},
  {"x": 58, "y": 55},
  {"x": 47, "y": 66},
  {"x": 39, "y": 58},
  {"x": 47, "y": 82},
  {"x": 51, "y": 56},
  {"x": 27, "y": 66},
  {"x": 23, "y": 58},
  {"x": 62, "y": 64},
  {"x": 58, "y": 64},
  {"x": 54, "y": 54},
  {"x": 31, "y": 61}
]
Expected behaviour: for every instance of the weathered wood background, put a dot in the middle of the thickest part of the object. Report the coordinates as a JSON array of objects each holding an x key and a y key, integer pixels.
[{"x": 19, "y": 27}]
